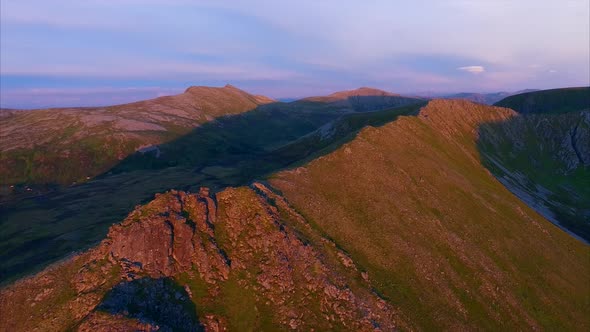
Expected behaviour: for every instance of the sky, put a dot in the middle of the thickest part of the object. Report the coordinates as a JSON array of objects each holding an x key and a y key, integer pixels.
[{"x": 101, "y": 52}]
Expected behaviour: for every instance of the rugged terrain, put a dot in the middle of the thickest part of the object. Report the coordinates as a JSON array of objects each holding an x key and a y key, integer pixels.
[
  {"x": 449, "y": 245},
  {"x": 232, "y": 150},
  {"x": 400, "y": 227},
  {"x": 237, "y": 261},
  {"x": 543, "y": 154}
]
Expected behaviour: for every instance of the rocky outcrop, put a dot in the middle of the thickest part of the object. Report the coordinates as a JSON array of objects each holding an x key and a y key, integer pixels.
[
  {"x": 177, "y": 235},
  {"x": 564, "y": 138},
  {"x": 182, "y": 253},
  {"x": 580, "y": 139},
  {"x": 293, "y": 277}
]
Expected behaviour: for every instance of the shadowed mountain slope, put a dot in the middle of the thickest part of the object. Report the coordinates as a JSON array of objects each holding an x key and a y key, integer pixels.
[
  {"x": 549, "y": 101},
  {"x": 545, "y": 160},
  {"x": 543, "y": 154},
  {"x": 364, "y": 99}
]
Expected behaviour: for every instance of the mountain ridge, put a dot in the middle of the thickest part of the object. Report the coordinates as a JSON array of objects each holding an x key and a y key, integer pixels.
[
  {"x": 436, "y": 222},
  {"x": 344, "y": 94},
  {"x": 409, "y": 231},
  {"x": 105, "y": 135}
]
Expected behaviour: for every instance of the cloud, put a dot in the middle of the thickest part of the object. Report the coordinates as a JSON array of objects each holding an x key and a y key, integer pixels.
[
  {"x": 253, "y": 44},
  {"x": 473, "y": 69}
]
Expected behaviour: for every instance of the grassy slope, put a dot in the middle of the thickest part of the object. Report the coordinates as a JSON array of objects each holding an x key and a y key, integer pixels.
[
  {"x": 231, "y": 151},
  {"x": 440, "y": 237},
  {"x": 71, "y": 145},
  {"x": 68, "y": 145}
]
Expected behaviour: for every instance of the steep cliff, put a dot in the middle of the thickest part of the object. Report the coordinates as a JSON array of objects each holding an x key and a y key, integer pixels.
[{"x": 543, "y": 155}]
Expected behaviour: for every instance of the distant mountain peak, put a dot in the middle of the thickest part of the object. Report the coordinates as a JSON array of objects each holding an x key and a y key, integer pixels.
[
  {"x": 228, "y": 89},
  {"x": 195, "y": 88},
  {"x": 363, "y": 91},
  {"x": 346, "y": 94}
]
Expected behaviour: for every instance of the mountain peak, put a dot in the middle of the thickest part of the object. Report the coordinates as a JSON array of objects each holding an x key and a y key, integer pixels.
[
  {"x": 223, "y": 92},
  {"x": 340, "y": 95},
  {"x": 197, "y": 88},
  {"x": 362, "y": 91}
]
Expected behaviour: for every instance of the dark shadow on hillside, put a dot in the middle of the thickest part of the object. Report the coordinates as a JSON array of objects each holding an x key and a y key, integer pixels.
[
  {"x": 230, "y": 151},
  {"x": 554, "y": 101},
  {"x": 379, "y": 103},
  {"x": 544, "y": 159},
  {"x": 160, "y": 302}
]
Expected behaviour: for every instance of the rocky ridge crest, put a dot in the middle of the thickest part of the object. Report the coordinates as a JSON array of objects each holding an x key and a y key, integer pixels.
[{"x": 249, "y": 239}]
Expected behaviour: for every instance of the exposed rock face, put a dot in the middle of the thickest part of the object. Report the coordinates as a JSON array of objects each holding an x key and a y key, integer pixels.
[
  {"x": 573, "y": 148},
  {"x": 183, "y": 250},
  {"x": 177, "y": 236},
  {"x": 293, "y": 277},
  {"x": 545, "y": 160},
  {"x": 564, "y": 137}
]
